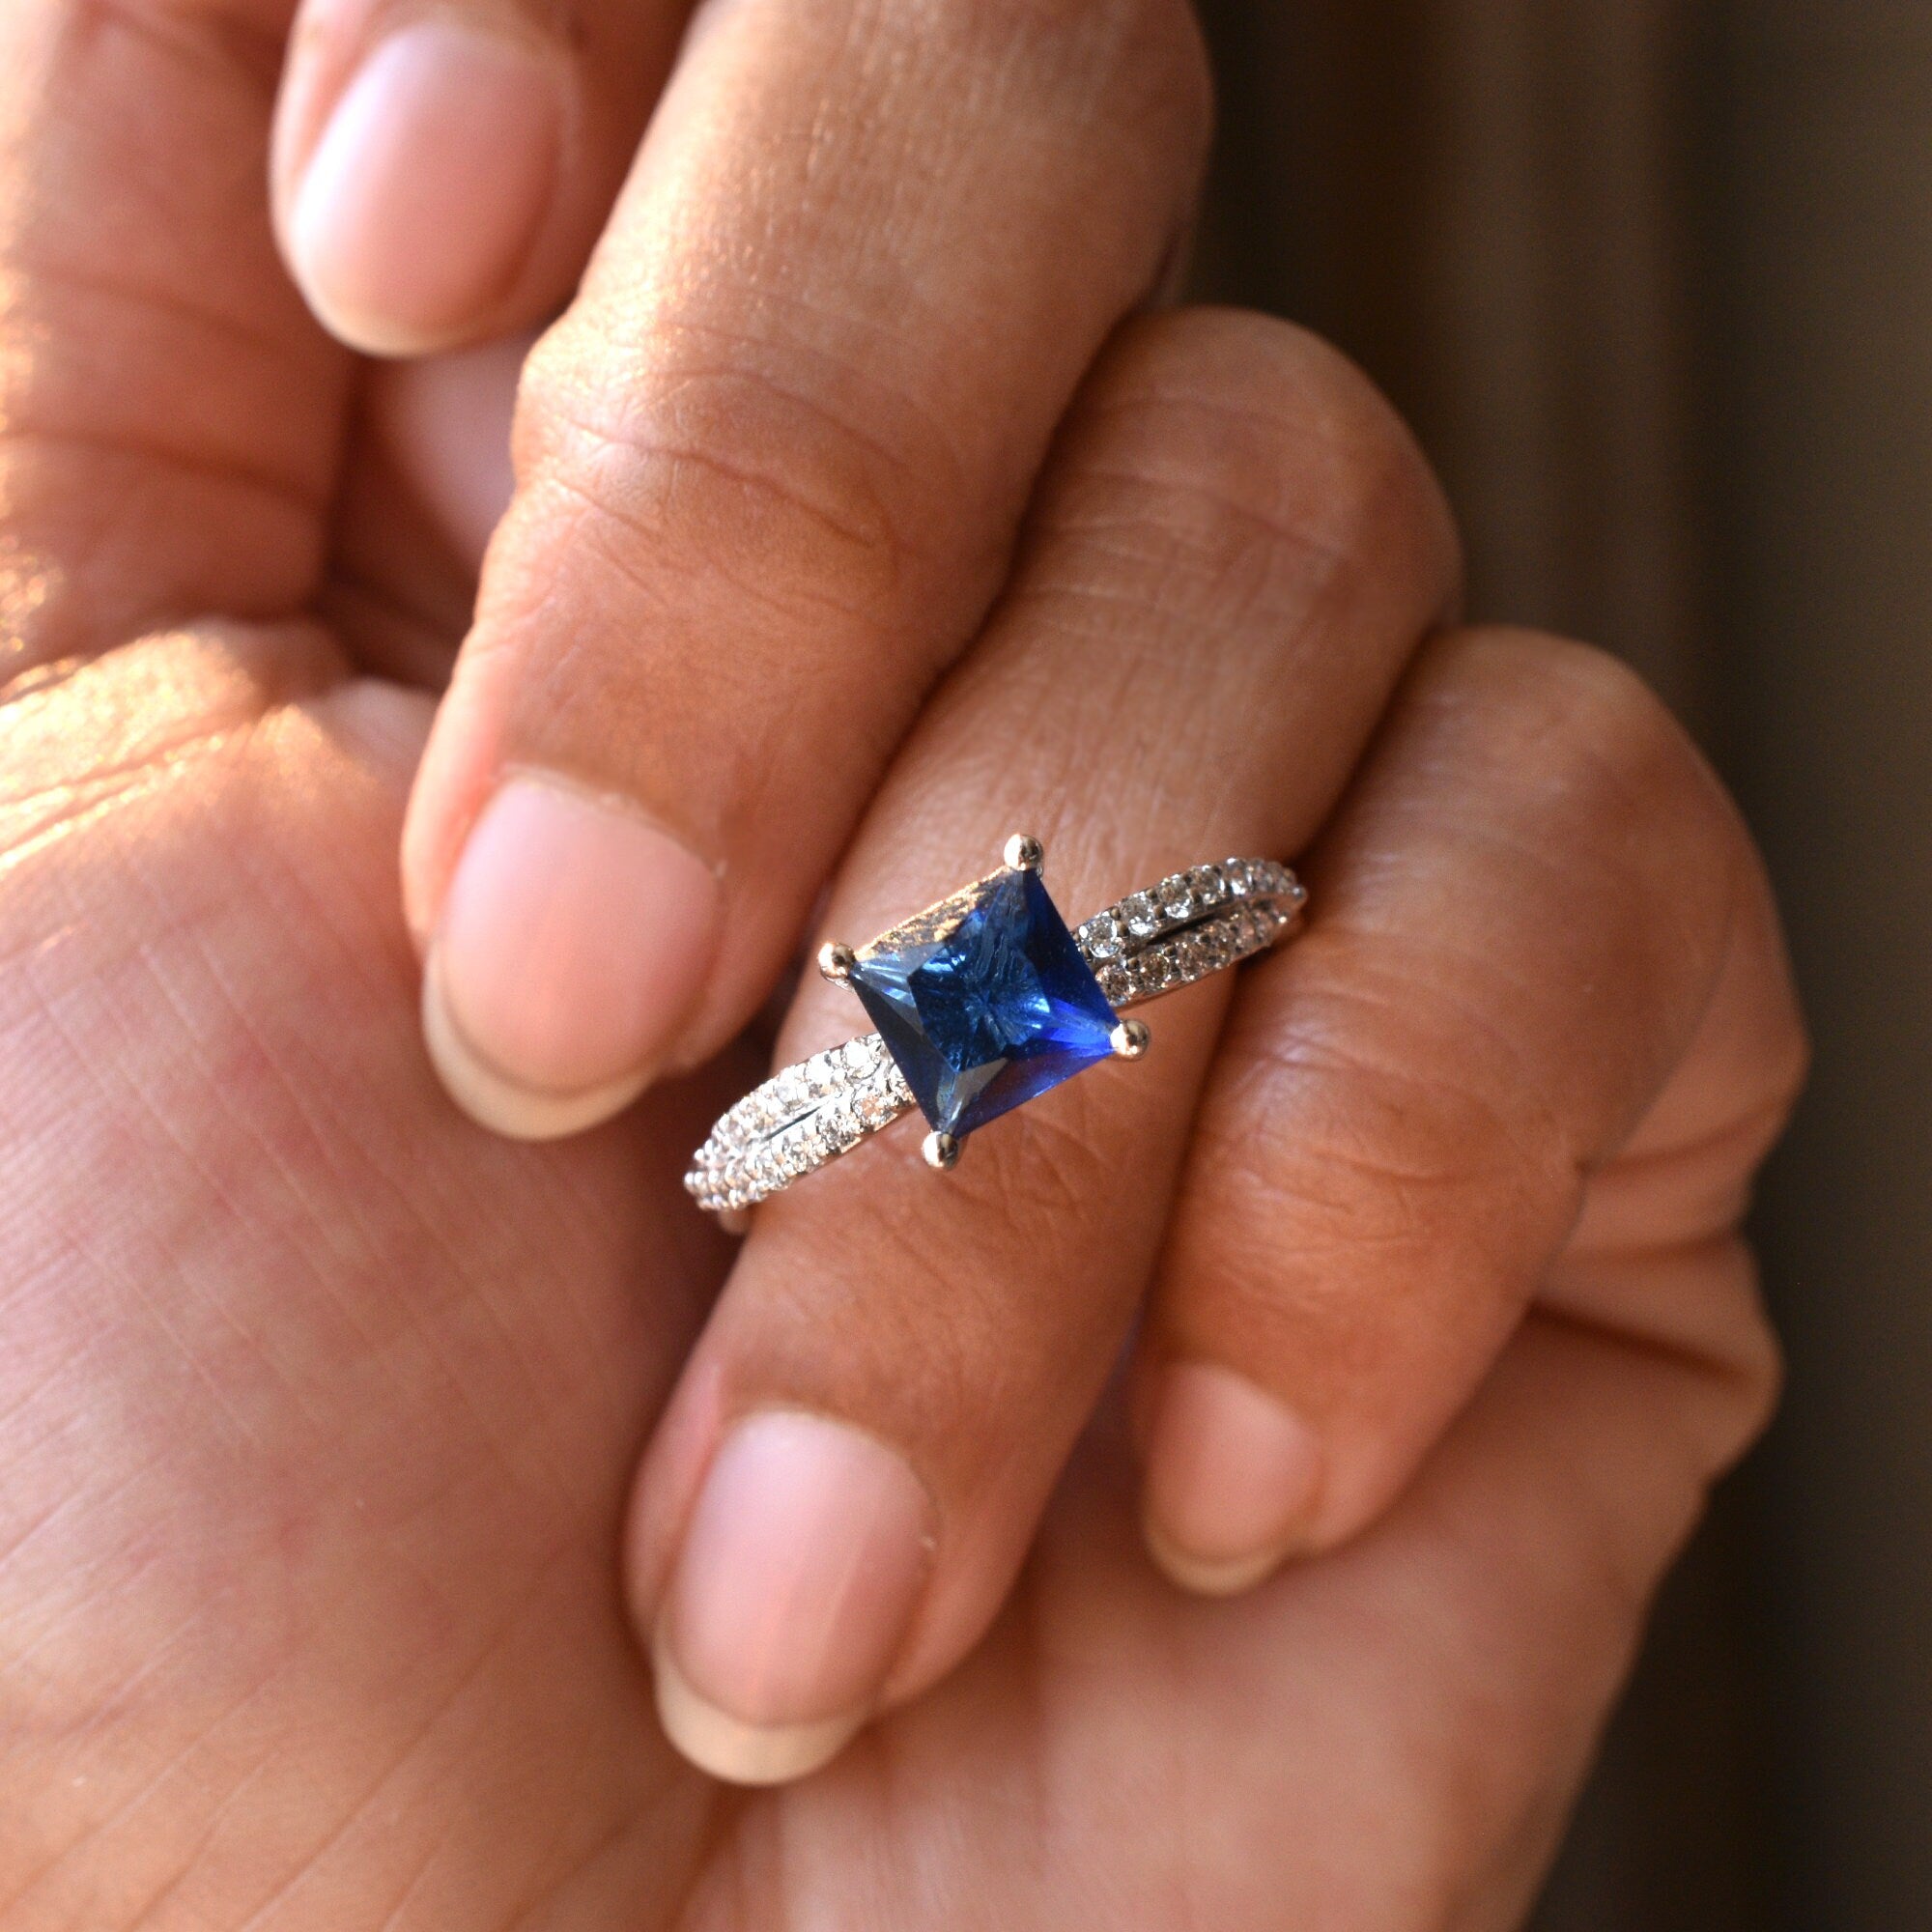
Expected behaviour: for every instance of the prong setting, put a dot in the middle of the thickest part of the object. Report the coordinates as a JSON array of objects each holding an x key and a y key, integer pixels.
[
  {"x": 1131, "y": 1038},
  {"x": 836, "y": 962},
  {"x": 941, "y": 1151},
  {"x": 1024, "y": 853}
]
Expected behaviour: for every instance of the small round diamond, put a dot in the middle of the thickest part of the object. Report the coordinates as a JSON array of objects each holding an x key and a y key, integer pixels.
[{"x": 1103, "y": 936}]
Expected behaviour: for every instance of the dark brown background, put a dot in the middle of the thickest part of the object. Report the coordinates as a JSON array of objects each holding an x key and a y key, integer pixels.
[{"x": 1655, "y": 282}]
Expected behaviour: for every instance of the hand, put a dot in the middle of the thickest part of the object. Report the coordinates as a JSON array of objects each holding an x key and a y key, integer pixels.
[{"x": 320, "y": 1405}]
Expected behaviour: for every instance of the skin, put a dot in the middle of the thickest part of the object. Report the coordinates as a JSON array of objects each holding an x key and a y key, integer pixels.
[{"x": 350, "y": 1451}]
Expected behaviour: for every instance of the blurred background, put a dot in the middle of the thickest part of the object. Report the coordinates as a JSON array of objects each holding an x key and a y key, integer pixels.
[{"x": 1655, "y": 282}]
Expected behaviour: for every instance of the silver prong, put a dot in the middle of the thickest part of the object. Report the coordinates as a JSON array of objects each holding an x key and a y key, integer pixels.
[
  {"x": 941, "y": 1151},
  {"x": 1130, "y": 1038},
  {"x": 835, "y": 962},
  {"x": 1025, "y": 853}
]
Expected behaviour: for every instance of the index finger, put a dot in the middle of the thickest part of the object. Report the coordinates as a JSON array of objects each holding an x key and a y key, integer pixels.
[{"x": 771, "y": 467}]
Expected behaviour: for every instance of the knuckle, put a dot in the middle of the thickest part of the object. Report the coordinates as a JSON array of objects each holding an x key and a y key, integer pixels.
[
  {"x": 1165, "y": 63},
  {"x": 1595, "y": 697},
  {"x": 1141, "y": 65},
  {"x": 716, "y": 470},
  {"x": 1232, "y": 442},
  {"x": 1602, "y": 752},
  {"x": 1604, "y": 700}
]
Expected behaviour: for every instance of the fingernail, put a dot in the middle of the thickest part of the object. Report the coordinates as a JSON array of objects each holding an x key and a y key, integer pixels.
[
  {"x": 1233, "y": 1478},
  {"x": 575, "y": 936},
  {"x": 421, "y": 198},
  {"x": 800, "y": 1571}
]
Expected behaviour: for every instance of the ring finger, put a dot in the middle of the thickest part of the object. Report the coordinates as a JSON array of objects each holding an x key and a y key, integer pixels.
[{"x": 1233, "y": 553}]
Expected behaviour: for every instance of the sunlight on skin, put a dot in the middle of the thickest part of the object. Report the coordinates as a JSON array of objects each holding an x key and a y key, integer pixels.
[
  {"x": 28, "y": 585},
  {"x": 321, "y": 1408},
  {"x": 344, "y": 1484}
]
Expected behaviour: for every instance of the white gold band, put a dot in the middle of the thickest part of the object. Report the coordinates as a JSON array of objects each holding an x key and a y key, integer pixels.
[{"x": 1191, "y": 924}]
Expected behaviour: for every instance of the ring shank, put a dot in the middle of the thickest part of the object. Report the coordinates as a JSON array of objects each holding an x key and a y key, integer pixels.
[{"x": 1191, "y": 924}]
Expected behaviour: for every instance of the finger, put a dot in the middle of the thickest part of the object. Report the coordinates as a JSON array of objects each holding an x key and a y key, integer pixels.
[
  {"x": 169, "y": 414},
  {"x": 1234, "y": 551},
  {"x": 440, "y": 173},
  {"x": 425, "y": 479},
  {"x": 1390, "y": 1736},
  {"x": 444, "y": 424},
  {"x": 1538, "y": 927},
  {"x": 770, "y": 470}
]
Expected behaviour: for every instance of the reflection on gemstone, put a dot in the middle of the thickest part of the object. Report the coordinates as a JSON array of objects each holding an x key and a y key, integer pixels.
[{"x": 985, "y": 1001}]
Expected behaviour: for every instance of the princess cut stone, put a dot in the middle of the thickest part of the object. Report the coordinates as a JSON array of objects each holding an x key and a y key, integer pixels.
[{"x": 985, "y": 1001}]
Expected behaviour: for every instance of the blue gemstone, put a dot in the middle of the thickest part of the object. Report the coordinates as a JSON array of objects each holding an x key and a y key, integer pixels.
[{"x": 985, "y": 1001}]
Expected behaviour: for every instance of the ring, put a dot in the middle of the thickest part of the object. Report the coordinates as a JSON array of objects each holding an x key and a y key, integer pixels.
[{"x": 983, "y": 1001}]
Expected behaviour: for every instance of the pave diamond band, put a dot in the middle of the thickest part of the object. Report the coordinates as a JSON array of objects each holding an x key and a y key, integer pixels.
[{"x": 1153, "y": 942}]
